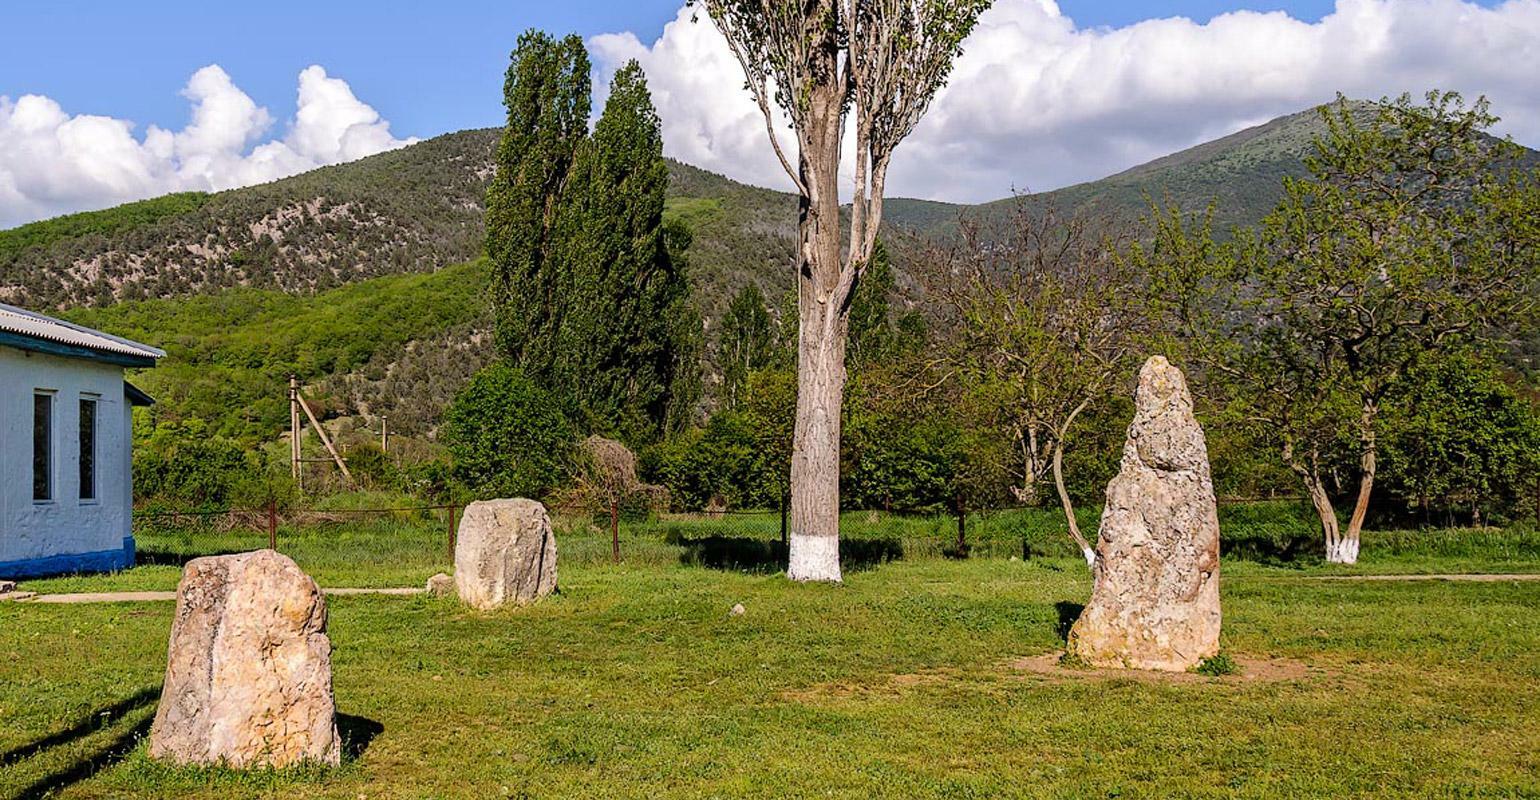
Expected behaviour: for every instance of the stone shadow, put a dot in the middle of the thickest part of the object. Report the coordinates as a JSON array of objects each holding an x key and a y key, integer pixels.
[
  {"x": 1068, "y": 613},
  {"x": 356, "y": 734}
]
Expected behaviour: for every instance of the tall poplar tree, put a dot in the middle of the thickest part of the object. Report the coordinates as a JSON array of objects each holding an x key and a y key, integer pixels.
[
  {"x": 628, "y": 318},
  {"x": 546, "y": 92},
  {"x": 747, "y": 343},
  {"x": 592, "y": 298},
  {"x": 876, "y": 65}
]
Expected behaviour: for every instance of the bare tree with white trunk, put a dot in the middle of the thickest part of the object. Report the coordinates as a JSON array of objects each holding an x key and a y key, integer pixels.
[
  {"x": 876, "y": 64},
  {"x": 1035, "y": 321}
]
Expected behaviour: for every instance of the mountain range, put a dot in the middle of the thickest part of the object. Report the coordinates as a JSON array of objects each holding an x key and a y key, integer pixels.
[{"x": 363, "y": 277}]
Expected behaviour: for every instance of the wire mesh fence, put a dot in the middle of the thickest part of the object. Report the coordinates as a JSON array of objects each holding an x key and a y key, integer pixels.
[
  {"x": 405, "y": 545},
  {"x": 340, "y": 547}
]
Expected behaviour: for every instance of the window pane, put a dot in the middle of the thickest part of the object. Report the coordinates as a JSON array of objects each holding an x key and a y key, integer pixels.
[
  {"x": 87, "y": 449},
  {"x": 42, "y": 447}
]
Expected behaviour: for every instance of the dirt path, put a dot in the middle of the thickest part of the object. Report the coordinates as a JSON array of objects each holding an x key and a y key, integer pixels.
[
  {"x": 138, "y": 597},
  {"x": 1470, "y": 578}
]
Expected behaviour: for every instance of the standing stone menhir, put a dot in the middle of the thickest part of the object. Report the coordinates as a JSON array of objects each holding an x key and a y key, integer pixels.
[
  {"x": 249, "y": 671},
  {"x": 1155, "y": 604},
  {"x": 505, "y": 552}
]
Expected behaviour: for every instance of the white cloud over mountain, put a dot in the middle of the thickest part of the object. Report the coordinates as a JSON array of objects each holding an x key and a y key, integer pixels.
[
  {"x": 53, "y": 162},
  {"x": 1037, "y": 102}
]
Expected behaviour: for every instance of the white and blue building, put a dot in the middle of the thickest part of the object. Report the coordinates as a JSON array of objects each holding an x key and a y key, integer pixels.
[{"x": 66, "y": 423}]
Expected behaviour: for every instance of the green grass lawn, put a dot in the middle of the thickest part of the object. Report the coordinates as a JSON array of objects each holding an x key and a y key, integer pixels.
[
  {"x": 404, "y": 549},
  {"x": 636, "y": 682}
]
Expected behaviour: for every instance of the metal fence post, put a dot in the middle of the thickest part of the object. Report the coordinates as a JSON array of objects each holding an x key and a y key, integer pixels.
[{"x": 451, "y": 538}]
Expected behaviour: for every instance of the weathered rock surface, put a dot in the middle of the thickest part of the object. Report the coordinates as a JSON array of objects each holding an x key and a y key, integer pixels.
[
  {"x": 440, "y": 585},
  {"x": 1155, "y": 604},
  {"x": 249, "y": 671},
  {"x": 505, "y": 552}
]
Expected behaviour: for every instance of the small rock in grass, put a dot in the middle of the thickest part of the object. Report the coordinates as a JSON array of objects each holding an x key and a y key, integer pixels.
[
  {"x": 440, "y": 585},
  {"x": 6, "y": 587},
  {"x": 739, "y": 610}
]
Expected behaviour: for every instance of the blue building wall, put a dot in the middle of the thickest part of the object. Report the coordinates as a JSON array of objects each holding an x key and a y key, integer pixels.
[{"x": 100, "y": 561}]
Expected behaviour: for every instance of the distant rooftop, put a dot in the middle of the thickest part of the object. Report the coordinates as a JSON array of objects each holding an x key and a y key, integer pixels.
[{"x": 70, "y": 338}]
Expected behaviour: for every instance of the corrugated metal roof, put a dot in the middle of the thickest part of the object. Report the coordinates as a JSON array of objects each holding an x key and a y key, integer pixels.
[{"x": 38, "y": 326}]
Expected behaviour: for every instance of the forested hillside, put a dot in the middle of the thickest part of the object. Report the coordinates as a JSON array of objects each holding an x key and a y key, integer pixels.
[
  {"x": 361, "y": 277},
  {"x": 399, "y": 345},
  {"x": 420, "y": 208}
]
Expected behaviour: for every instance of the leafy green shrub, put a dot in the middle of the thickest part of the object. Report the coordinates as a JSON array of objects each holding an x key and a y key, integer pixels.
[
  {"x": 183, "y": 464},
  {"x": 723, "y": 460},
  {"x": 508, "y": 437},
  {"x": 1459, "y": 445}
]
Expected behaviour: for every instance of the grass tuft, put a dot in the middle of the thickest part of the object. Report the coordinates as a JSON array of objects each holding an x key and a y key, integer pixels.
[{"x": 1218, "y": 665}]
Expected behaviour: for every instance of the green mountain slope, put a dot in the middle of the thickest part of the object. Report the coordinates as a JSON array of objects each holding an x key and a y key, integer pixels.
[
  {"x": 362, "y": 277},
  {"x": 399, "y": 345}
]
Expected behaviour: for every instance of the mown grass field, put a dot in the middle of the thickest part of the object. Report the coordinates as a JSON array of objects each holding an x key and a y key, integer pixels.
[{"x": 635, "y": 681}]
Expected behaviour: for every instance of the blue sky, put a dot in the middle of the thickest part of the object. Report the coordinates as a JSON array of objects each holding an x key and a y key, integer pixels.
[
  {"x": 106, "y": 102},
  {"x": 428, "y": 68}
]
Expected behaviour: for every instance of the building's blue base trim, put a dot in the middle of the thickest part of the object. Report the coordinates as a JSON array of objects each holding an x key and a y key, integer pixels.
[{"x": 101, "y": 561}]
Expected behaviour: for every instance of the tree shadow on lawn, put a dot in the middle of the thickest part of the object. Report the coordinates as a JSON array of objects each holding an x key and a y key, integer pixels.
[
  {"x": 141, "y": 703},
  {"x": 763, "y": 556},
  {"x": 145, "y": 557},
  {"x": 85, "y": 726},
  {"x": 1270, "y": 549}
]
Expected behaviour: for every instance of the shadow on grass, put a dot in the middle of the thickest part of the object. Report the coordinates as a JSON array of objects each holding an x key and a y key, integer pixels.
[
  {"x": 1068, "y": 613},
  {"x": 150, "y": 557},
  {"x": 763, "y": 556},
  {"x": 1271, "y": 549},
  {"x": 356, "y": 733},
  {"x": 115, "y": 749},
  {"x": 85, "y": 726}
]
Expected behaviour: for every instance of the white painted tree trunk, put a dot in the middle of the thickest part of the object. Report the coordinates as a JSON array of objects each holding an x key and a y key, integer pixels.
[
  {"x": 1347, "y": 547},
  {"x": 1086, "y": 550},
  {"x": 815, "y": 461},
  {"x": 813, "y": 549}
]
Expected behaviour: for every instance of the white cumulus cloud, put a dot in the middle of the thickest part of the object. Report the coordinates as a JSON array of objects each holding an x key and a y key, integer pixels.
[
  {"x": 52, "y": 162},
  {"x": 1037, "y": 102}
]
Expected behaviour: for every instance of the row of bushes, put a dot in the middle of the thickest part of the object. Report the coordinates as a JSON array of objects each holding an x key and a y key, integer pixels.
[{"x": 1459, "y": 445}]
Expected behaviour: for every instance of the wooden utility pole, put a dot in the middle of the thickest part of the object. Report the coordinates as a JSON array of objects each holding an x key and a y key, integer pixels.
[
  {"x": 294, "y": 451},
  {"x": 297, "y": 404},
  {"x": 326, "y": 440},
  {"x": 384, "y": 435}
]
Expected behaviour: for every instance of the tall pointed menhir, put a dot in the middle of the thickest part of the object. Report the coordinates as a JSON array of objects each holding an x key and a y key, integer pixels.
[{"x": 1155, "y": 604}]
